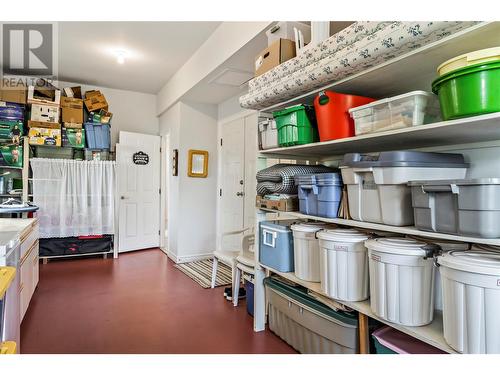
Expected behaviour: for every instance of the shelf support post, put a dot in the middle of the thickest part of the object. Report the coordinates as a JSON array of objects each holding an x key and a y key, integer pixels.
[
  {"x": 364, "y": 334},
  {"x": 259, "y": 315}
]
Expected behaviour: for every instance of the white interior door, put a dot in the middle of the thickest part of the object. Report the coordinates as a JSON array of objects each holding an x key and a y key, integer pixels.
[
  {"x": 232, "y": 178},
  {"x": 251, "y": 149},
  {"x": 138, "y": 191}
]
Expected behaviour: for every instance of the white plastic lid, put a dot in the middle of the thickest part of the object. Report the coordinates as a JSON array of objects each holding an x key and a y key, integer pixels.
[
  {"x": 475, "y": 261},
  {"x": 445, "y": 245},
  {"x": 397, "y": 245},
  {"x": 342, "y": 235},
  {"x": 391, "y": 99},
  {"x": 471, "y": 58},
  {"x": 308, "y": 227}
]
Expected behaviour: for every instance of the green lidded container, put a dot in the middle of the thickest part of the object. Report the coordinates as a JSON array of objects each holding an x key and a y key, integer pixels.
[
  {"x": 469, "y": 91},
  {"x": 53, "y": 152},
  {"x": 296, "y": 125}
]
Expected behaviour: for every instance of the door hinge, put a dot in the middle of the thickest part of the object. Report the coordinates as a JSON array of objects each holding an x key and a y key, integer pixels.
[
  {"x": 159, "y": 191},
  {"x": 221, "y": 142},
  {"x": 159, "y": 232},
  {"x": 220, "y": 192}
]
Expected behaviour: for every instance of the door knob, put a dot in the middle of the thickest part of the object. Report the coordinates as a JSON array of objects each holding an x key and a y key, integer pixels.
[
  {"x": 240, "y": 194},
  {"x": 241, "y": 182},
  {"x": 123, "y": 197}
]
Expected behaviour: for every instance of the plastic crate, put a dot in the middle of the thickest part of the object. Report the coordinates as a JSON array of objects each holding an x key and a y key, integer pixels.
[
  {"x": 53, "y": 152},
  {"x": 296, "y": 126},
  {"x": 98, "y": 136}
]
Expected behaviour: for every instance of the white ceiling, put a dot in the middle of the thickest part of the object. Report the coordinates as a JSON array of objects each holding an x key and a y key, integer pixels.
[{"x": 155, "y": 51}]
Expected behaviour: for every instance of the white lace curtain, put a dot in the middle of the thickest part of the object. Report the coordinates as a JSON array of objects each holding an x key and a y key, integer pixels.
[{"x": 76, "y": 198}]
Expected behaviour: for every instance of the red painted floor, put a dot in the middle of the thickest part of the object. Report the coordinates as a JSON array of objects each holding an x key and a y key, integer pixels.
[{"x": 139, "y": 303}]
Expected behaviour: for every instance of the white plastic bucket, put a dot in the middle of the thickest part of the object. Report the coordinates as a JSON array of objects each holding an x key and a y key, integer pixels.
[
  {"x": 471, "y": 300},
  {"x": 306, "y": 250},
  {"x": 401, "y": 280},
  {"x": 344, "y": 264},
  {"x": 445, "y": 247}
]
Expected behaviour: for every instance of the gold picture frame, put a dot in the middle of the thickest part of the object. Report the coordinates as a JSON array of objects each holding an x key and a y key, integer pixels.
[{"x": 197, "y": 163}]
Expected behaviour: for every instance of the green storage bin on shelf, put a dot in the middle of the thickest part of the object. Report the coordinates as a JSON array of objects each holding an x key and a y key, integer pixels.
[
  {"x": 469, "y": 91},
  {"x": 53, "y": 152},
  {"x": 296, "y": 126}
]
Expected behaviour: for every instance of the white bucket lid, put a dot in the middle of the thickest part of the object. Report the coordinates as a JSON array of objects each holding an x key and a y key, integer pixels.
[
  {"x": 445, "y": 245},
  {"x": 342, "y": 235},
  {"x": 308, "y": 227},
  {"x": 397, "y": 245},
  {"x": 475, "y": 261}
]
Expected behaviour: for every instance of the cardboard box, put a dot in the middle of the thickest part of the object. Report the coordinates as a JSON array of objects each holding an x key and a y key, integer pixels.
[
  {"x": 44, "y": 133},
  {"x": 11, "y": 155},
  {"x": 47, "y": 96},
  {"x": 287, "y": 205},
  {"x": 95, "y": 101},
  {"x": 11, "y": 130},
  {"x": 73, "y": 92},
  {"x": 11, "y": 111},
  {"x": 72, "y": 125},
  {"x": 72, "y": 110},
  {"x": 13, "y": 92},
  {"x": 73, "y": 138},
  {"x": 44, "y": 113},
  {"x": 277, "y": 53}
]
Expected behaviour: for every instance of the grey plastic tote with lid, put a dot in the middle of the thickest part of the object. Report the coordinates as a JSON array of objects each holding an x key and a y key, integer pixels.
[
  {"x": 463, "y": 207},
  {"x": 405, "y": 159}
]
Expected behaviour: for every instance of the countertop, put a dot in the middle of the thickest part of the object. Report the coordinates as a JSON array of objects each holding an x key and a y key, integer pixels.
[{"x": 12, "y": 229}]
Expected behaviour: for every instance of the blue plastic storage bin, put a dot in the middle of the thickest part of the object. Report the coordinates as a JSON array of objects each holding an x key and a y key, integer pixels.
[
  {"x": 98, "y": 136},
  {"x": 308, "y": 194},
  {"x": 276, "y": 246},
  {"x": 249, "y": 297},
  {"x": 329, "y": 187}
]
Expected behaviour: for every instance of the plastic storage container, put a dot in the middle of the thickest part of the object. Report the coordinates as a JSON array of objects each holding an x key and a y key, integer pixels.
[
  {"x": 445, "y": 247},
  {"x": 470, "y": 91},
  {"x": 471, "y": 296},
  {"x": 96, "y": 154},
  {"x": 276, "y": 246},
  {"x": 249, "y": 296},
  {"x": 306, "y": 250},
  {"x": 463, "y": 207},
  {"x": 344, "y": 264},
  {"x": 308, "y": 325},
  {"x": 402, "y": 111},
  {"x": 389, "y": 340},
  {"x": 268, "y": 134},
  {"x": 467, "y": 59},
  {"x": 377, "y": 184},
  {"x": 98, "y": 136},
  {"x": 402, "y": 280},
  {"x": 332, "y": 112},
  {"x": 53, "y": 152},
  {"x": 307, "y": 193},
  {"x": 329, "y": 187},
  {"x": 296, "y": 126}
]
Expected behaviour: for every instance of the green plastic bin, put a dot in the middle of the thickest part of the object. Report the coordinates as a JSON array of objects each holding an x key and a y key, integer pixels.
[
  {"x": 296, "y": 126},
  {"x": 469, "y": 91}
]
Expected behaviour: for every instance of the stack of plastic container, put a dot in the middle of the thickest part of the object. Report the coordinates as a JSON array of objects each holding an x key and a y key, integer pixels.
[
  {"x": 377, "y": 184},
  {"x": 319, "y": 194}
]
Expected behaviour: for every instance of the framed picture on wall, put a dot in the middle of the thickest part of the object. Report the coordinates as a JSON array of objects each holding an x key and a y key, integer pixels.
[{"x": 198, "y": 163}]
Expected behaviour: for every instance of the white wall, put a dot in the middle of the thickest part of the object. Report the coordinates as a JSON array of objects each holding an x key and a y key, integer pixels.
[
  {"x": 132, "y": 111},
  {"x": 191, "y": 201},
  {"x": 226, "y": 40}
]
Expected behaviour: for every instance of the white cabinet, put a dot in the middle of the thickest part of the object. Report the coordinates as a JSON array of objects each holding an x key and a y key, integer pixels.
[{"x": 28, "y": 269}]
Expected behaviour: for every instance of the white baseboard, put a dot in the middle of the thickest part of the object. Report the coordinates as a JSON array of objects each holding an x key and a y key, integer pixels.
[{"x": 188, "y": 258}]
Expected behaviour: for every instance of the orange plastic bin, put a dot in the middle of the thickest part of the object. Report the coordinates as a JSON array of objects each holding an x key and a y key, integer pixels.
[{"x": 332, "y": 114}]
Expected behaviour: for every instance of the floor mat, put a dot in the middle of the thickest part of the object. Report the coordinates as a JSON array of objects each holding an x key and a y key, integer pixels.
[{"x": 201, "y": 272}]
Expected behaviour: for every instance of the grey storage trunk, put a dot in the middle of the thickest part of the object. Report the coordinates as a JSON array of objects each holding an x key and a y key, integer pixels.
[
  {"x": 307, "y": 325},
  {"x": 463, "y": 207}
]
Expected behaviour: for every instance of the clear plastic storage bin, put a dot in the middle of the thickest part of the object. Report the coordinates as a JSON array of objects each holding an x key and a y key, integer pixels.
[{"x": 402, "y": 111}]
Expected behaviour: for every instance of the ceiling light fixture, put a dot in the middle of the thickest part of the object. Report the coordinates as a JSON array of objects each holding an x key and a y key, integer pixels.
[{"x": 120, "y": 57}]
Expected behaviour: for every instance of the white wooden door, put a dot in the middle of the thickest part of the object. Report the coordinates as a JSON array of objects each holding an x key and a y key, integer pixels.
[
  {"x": 251, "y": 149},
  {"x": 232, "y": 178},
  {"x": 138, "y": 191}
]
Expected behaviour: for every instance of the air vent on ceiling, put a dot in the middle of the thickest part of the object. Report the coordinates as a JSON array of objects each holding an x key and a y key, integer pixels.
[{"x": 232, "y": 77}]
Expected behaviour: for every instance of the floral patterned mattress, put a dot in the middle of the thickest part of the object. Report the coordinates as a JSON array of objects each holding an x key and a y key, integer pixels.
[{"x": 358, "y": 47}]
